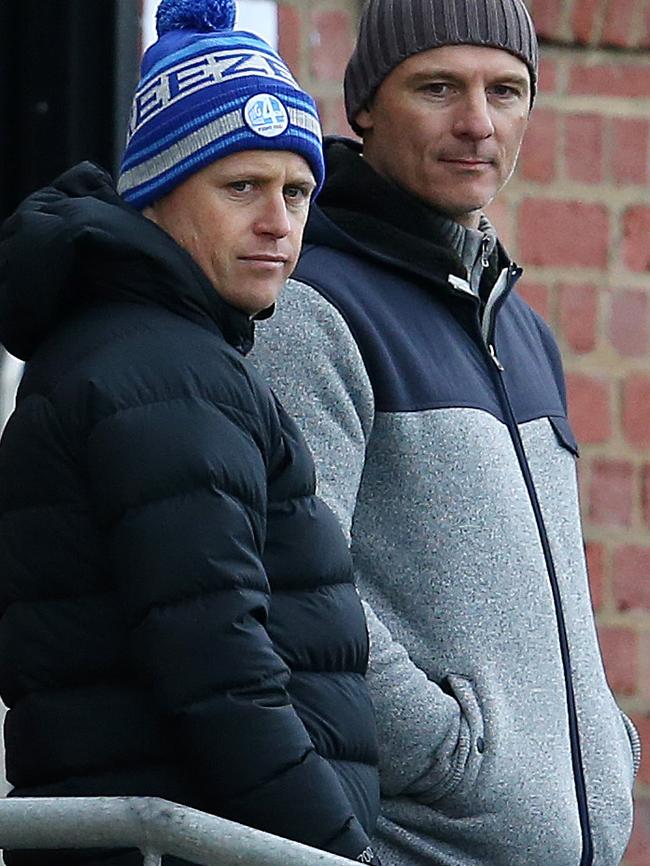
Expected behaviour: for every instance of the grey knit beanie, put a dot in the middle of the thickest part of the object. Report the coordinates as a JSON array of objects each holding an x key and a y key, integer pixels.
[{"x": 392, "y": 30}]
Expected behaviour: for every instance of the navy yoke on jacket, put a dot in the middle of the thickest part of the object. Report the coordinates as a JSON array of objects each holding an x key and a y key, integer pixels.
[{"x": 415, "y": 344}]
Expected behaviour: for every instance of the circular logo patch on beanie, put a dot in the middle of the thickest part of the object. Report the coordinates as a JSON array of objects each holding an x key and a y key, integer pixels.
[{"x": 265, "y": 115}]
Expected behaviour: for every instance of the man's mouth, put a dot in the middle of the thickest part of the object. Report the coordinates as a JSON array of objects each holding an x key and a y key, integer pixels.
[
  {"x": 269, "y": 258},
  {"x": 469, "y": 161}
]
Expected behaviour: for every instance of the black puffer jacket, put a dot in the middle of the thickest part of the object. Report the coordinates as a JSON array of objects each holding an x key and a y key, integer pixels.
[{"x": 178, "y": 613}]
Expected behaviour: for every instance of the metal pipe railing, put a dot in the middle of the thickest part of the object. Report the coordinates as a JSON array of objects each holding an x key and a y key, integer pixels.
[{"x": 156, "y": 827}]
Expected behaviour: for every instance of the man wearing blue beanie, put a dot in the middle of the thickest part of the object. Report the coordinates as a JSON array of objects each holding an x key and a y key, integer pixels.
[{"x": 177, "y": 611}]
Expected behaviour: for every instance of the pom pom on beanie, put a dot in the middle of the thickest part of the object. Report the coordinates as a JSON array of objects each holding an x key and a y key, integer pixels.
[{"x": 199, "y": 15}]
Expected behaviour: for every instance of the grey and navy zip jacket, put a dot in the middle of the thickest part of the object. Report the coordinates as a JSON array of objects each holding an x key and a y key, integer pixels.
[{"x": 438, "y": 422}]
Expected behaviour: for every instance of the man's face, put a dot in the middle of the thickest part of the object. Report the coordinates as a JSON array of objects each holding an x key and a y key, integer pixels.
[
  {"x": 241, "y": 219},
  {"x": 447, "y": 125}
]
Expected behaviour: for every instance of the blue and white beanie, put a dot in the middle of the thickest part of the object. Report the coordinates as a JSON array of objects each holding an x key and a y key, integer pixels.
[{"x": 207, "y": 91}]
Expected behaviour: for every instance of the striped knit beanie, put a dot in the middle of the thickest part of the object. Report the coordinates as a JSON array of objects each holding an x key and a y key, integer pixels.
[
  {"x": 207, "y": 91},
  {"x": 392, "y": 30}
]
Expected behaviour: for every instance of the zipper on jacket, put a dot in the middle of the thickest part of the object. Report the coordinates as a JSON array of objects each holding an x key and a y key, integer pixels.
[
  {"x": 485, "y": 260},
  {"x": 493, "y": 355},
  {"x": 503, "y": 286},
  {"x": 574, "y": 732}
]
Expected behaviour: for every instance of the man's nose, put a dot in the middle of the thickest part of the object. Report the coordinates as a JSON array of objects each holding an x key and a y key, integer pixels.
[
  {"x": 473, "y": 118},
  {"x": 273, "y": 218}
]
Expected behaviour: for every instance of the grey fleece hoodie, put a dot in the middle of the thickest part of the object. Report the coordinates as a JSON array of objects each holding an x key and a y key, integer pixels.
[{"x": 438, "y": 424}]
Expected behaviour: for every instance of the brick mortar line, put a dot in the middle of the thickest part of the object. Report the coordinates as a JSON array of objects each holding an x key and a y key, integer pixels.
[
  {"x": 618, "y": 452},
  {"x": 638, "y": 24},
  {"x": 640, "y": 698},
  {"x": 329, "y": 89},
  {"x": 560, "y": 274},
  {"x": 636, "y": 55},
  {"x": 614, "y": 196},
  {"x": 605, "y": 105},
  {"x": 605, "y": 351},
  {"x": 624, "y": 620},
  {"x": 628, "y": 538},
  {"x": 614, "y": 536},
  {"x": 637, "y": 703},
  {"x": 599, "y": 20},
  {"x": 607, "y": 281},
  {"x": 592, "y": 362},
  {"x": 308, "y": 6},
  {"x": 565, "y": 26}
]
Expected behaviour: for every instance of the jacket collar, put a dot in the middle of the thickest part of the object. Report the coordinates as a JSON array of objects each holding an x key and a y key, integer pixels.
[
  {"x": 76, "y": 241},
  {"x": 361, "y": 211}
]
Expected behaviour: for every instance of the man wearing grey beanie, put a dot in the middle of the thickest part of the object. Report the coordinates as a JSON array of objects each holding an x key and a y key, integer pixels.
[{"x": 434, "y": 402}]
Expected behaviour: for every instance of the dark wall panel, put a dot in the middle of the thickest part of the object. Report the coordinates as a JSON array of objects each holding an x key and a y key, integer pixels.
[{"x": 63, "y": 66}]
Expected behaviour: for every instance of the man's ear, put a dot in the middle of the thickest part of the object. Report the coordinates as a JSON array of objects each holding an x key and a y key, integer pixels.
[
  {"x": 364, "y": 119},
  {"x": 150, "y": 213}
]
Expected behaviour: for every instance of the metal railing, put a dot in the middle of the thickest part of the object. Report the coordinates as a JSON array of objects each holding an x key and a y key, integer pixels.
[
  {"x": 156, "y": 827},
  {"x": 10, "y": 373}
]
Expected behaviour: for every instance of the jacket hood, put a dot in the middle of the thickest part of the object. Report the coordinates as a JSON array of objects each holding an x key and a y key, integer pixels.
[
  {"x": 76, "y": 241},
  {"x": 359, "y": 211}
]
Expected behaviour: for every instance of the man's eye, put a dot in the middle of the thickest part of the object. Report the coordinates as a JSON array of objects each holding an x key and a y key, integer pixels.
[
  {"x": 241, "y": 185},
  {"x": 436, "y": 88},
  {"x": 296, "y": 193},
  {"x": 505, "y": 90}
]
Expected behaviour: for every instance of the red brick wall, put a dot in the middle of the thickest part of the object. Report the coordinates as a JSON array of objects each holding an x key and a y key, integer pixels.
[
  {"x": 316, "y": 39},
  {"x": 577, "y": 217}
]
